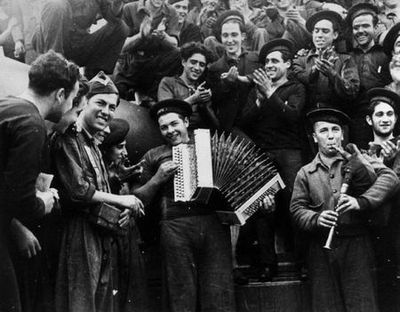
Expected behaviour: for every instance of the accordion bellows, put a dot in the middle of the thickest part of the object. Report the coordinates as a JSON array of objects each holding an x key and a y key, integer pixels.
[{"x": 231, "y": 166}]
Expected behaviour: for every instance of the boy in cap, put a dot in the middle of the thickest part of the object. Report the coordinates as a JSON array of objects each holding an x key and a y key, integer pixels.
[
  {"x": 329, "y": 77},
  {"x": 371, "y": 63},
  {"x": 195, "y": 246},
  {"x": 53, "y": 84},
  {"x": 85, "y": 280},
  {"x": 342, "y": 278},
  {"x": 272, "y": 120}
]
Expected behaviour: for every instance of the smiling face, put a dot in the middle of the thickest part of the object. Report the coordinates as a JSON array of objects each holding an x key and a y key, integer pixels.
[
  {"x": 328, "y": 136},
  {"x": 383, "y": 120},
  {"x": 275, "y": 66},
  {"x": 363, "y": 30},
  {"x": 117, "y": 153},
  {"x": 156, "y": 3},
  {"x": 232, "y": 38},
  {"x": 98, "y": 112},
  {"x": 173, "y": 128},
  {"x": 323, "y": 34},
  {"x": 194, "y": 67}
]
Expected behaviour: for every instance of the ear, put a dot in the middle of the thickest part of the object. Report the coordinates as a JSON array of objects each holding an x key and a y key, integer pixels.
[
  {"x": 314, "y": 138},
  {"x": 186, "y": 122},
  {"x": 288, "y": 64},
  {"x": 244, "y": 36},
  {"x": 60, "y": 95},
  {"x": 369, "y": 120},
  {"x": 335, "y": 35}
]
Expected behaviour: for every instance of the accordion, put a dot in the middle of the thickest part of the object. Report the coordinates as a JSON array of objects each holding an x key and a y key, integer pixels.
[{"x": 233, "y": 169}]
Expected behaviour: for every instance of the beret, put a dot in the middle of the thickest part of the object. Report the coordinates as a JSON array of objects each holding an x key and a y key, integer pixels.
[
  {"x": 275, "y": 45},
  {"x": 171, "y": 106},
  {"x": 329, "y": 115},
  {"x": 119, "y": 129}
]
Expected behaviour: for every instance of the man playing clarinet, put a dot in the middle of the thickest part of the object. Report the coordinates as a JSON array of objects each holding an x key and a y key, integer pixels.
[{"x": 342, "y": 277}]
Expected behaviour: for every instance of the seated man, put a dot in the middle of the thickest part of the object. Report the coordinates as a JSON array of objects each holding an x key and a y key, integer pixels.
[
  {"x": 64, "y": 28},
  {"x": 342, "y": 278},
  {"x": 195, "y": 246},
  {"x": 189, "y": 86}
]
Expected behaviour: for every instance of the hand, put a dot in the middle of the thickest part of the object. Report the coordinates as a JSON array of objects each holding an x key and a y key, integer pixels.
[
  {"x": 327, "y": 218},
  {"x": 201, "y": 94},
  {"x": 390, "y": 150},
  {"x": 210, "y": 21},
  {"x": 267, "y": 205},
  {"x": 347, "y": 203},
  {"x": 19, "y": 49},
  {"x": 48, "y": 199},
  {"x": 231, "y": 75},
  {"x": 325, "y": 67},
  {"x": 165, "y": 171},
  {"x": 124, "y": 218},
  {"x": 145, "y": 26},
  {"x": 128, "y": 172},
  {"x": 262, "y": 82},
  {"x": 131, "y": 202},
  {"x": 294, "y": 15},
  {"x": 27, "y": 243}
]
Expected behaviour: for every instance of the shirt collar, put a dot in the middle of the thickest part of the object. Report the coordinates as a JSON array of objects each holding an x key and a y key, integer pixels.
[{"x": 317, "y": 162}]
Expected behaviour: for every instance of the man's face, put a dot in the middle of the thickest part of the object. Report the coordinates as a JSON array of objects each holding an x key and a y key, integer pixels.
[
  {"x": 382, "y": 120},
  {"x": 232, "y": 38},
  {"x": 99, "y": 111},
  {"x": 173, "y": 128},
  {"x": 323, "y": 34},
  {"x": 194, "y": 66},
  {"x": 283, "y": 4},
  {"x": 363, "y": 30},
  {"x": 101, "y": 135},
  {"x": 275, "y": 67},
  {"x": 238, "y": 5},
  {"x": 394, "y": 67},
  {"x": 156, "y": 3},
  {"x": 329, "y": 136},
  {"x": 62, "y": 104},
  {"x": 182, "y": 8}
]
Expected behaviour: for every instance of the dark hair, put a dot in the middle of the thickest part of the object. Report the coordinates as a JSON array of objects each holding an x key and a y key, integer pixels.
[
  {"x": 375, "y": 18},
  {"x": 286, "y": 55},
  {"x": 188, "y": 49},
  {"x": 51, "y": 71},
  {"x": 373, "y": 104},
  {"x": 83, "y": 90}
]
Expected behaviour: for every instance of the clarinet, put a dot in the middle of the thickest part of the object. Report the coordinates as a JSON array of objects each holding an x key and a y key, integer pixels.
[{"x": 343, "y": 190}]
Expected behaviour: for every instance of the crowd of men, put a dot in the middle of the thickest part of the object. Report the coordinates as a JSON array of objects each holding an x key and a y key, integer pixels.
[{"x": 300, "y": 79}]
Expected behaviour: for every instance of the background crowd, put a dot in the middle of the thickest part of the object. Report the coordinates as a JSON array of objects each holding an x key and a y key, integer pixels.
[{"x": 267, "y": 71}]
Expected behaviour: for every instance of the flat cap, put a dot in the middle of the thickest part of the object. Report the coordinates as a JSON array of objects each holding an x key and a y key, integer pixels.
[
  {"x": 171, "y": 106},
  {"x": 329, "y": 115},
  {"x": 390, "y": 39},
  {"x": 332, "y": 16},
  {"x": 119, "y": 129},
  {"x": 384, "y": 95},
  {"x": 275, "y": 45},
  {"x": 361, "y": 9}
]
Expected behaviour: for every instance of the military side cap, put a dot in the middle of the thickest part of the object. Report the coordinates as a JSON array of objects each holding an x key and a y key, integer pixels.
[
  {"x": 361, "y": 9},
  {"x": 119, "y": 129},
  {"x": 329, "y": 115},
  {"x": 275, "y": 45},
  {"x": 102, "y": 84},
  {"x": 384, "y": 95},
  {"x": 230, "y": 15},
  {"x": 332, "y": 16},
  {"x": 390, "y": 39},
  {"x": 171, "y": 106}
]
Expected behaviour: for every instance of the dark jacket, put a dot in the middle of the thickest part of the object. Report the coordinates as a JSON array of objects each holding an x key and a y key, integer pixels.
[{"x": 276, "y": 123}]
